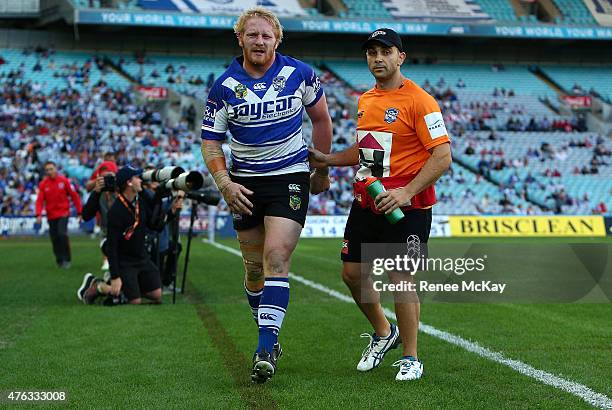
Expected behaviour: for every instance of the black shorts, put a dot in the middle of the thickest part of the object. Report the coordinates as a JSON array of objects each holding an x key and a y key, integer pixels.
[
  {"x": 139, "y": 278},
  {"x": 364, "y": 226},
  {"x": 275, "y": 195}
]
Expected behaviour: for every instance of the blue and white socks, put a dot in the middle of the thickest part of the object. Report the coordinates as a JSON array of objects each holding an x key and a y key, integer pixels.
[
  {"x": 254, "y": 298},
  {"x": 271, "y": 311}
]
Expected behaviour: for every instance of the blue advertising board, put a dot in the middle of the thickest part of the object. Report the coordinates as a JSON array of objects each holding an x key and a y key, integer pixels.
[{"x": 330, "y": 25}]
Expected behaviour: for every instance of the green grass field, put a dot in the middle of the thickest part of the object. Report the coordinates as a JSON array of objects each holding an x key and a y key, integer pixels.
[{"x": 197, "y": 353}]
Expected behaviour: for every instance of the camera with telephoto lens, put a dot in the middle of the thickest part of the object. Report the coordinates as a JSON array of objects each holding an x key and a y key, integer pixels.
[
  {"x": 162, "y": 175},
  {"x": 186, "y": 181},
  {"x": 208, "y": 196},
  {"x": 110, "y": 183}
]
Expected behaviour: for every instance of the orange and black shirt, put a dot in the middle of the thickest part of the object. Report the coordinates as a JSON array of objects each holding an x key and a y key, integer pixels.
[{"x": 395, "y": 130}]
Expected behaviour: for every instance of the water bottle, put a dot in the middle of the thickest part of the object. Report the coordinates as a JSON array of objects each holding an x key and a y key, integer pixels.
[{"x": 375, "y": 187}]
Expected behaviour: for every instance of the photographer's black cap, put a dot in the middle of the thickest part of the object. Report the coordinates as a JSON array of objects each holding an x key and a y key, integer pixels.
[
  {"x": 385, "y": 36},
  {"x": 126, "y": 173}
]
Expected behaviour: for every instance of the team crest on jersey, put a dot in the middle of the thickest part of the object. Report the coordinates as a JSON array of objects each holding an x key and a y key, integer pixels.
[
  {"x": 295, "y": 202},
  {"x": 279, "y": 83},
  {"x": 391, "y": 115},
  {"x": 241, "y": 91}
]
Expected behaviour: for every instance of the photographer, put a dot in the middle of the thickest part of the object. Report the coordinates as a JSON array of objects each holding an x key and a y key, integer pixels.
[
  {"x": 100, "y": 201},
  {"x": 109, "y": 160},
  {"x": 160, "y": 243},
  {"x": 131, "y": 269},
  {"x": 102, "y": 197}
]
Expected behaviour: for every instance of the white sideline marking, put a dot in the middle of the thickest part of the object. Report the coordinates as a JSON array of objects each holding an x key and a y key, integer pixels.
[{"x": 592, "y": 397}]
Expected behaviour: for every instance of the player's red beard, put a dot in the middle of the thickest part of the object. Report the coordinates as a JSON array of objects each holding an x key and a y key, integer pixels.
[{"x": 259, "y": 55}]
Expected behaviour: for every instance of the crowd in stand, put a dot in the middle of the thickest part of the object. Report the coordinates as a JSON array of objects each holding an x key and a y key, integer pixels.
[{"x": 74, "y": 128}]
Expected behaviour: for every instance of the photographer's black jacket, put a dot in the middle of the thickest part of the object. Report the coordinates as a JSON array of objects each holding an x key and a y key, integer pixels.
[
  {"x": 98, "y": 202},
  {"x": 120, "y": 219}
]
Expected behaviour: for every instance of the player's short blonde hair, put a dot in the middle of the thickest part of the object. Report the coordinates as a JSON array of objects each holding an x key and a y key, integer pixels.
[{"x": 264, "y": 14}]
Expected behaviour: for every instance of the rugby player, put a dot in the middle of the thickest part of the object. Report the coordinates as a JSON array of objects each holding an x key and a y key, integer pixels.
[
  {"x": 260, "y": 100},
  {"x": 401, "y": 140}
]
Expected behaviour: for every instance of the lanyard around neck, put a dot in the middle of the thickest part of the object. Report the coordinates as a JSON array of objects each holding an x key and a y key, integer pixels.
[{"x": 135, "y": 213}]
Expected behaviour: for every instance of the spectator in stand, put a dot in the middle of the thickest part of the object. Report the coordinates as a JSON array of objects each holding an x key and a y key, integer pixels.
[
  {"x": 53, "y": 194},
  {"x": 601, "y": 208}
]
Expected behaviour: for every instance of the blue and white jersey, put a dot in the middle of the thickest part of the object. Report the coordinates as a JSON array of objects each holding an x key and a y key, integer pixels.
[{"x": 264, "y": 116}]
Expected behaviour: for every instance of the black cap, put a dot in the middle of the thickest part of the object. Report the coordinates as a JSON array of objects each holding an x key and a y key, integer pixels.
[
  {"x": 385, "y": 36},
  {"x": 126, "y": 173}
]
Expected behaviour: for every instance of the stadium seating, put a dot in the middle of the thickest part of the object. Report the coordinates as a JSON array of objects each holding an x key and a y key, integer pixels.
[
  {"x": 437, "y": 10},
  {"x": 469, "y": 187},
  {"x": 575, "y": 12},
  {"x": 365, "y": 8},
  {"x": 183, "y": 67},
  {"x": 463, "y": 192},
  {"x": 588, "y": 78},
  {"x": 532, "y": 158},
  {"x": 503, "y": 108},
  {"x": 499, "y": 10},
  {"x": 477, "y": 77},
  {"x": 58, "y": 70}
]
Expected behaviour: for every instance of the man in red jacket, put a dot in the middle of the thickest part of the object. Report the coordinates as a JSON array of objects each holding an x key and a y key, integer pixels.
[{"x": 53, "y": 192}]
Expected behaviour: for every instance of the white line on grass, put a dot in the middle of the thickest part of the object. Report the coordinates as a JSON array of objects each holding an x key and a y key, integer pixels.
[{"x": 596, "y": 399}]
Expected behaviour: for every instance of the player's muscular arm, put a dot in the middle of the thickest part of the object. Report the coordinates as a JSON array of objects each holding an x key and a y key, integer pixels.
[
  {"x": 215, "y": 162},
  {"x": 233, "y": 193},
  {"x": 321, "y": 125},
  {"x": 348, "y": 157},
  {"x": 321, "y": 139},
  {"x": 433, "y": 169}
]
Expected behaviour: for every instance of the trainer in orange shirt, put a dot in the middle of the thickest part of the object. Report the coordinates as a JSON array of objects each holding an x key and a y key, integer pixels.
[{"x": 401, "y": 140}]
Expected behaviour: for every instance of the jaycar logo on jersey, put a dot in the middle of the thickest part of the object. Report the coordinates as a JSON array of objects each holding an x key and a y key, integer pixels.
[
  {"x": 435, "y": 125},
  {"x": 391, "y": 115},
  {"x": 259, "y": 86},
  {"x": 281, "y": 107}
]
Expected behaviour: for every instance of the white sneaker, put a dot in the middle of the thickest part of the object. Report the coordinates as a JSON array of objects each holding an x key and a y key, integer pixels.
[
  {"x": 373, "y": 355},
  {"x": 104, "y": 265},
  {"x": 410, "y": 369}
]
